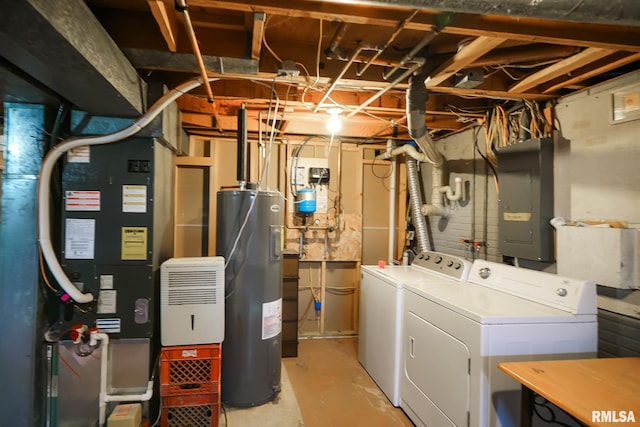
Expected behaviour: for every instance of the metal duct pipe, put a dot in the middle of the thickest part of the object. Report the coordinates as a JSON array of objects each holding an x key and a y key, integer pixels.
[
  {"x": 417, "y": 95},
  {"x": 242, "y": 170},
  {"x": 334, "y": 45},
  {"x": 419, "y": 221},
  {"x": 622, "y": 12},
  {"x": 390, "y": 40},
  {"x": 409, "y": 56},
  {"x": 418, "y": 62},
  {"x": 360, "y": 48}
]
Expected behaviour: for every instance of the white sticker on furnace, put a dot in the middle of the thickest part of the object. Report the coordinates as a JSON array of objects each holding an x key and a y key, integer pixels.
[
  {"x": 79, "y": 238},
  {"x": 271, "y": 319},
  {"x": 134, "y": 198}
]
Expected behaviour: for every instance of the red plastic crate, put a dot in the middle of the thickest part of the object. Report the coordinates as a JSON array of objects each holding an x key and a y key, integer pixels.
[
  {"x": 188, "y": 370},
  {"x": 191, "y": 416}
]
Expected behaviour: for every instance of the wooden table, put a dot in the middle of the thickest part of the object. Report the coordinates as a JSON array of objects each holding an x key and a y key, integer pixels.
[{"x": 587, "y": 389}]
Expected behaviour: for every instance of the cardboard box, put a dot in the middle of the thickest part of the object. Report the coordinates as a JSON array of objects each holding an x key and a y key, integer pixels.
[{"x": 127, "y": 415}]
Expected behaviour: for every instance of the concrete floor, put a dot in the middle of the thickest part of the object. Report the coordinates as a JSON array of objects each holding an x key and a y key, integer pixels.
[{"x": 324, "y": 386}]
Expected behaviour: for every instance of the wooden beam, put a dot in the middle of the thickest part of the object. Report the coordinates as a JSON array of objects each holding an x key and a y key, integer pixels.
[
  {"x": 524, "y": 54},
  {"x": 463, "y": 58},
  {"x": 564, "y": 66},
  {"x": 194, "y": 161},
  {"x": 622, "y": 37},
  {"x": 602, "y": 66},
  {"x": 257, "y": 33},
  {"x": 165, "y": 16}
]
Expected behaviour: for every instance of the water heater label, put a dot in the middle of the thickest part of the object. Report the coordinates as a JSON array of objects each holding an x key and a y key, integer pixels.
[{"x": 271, "y": 319}]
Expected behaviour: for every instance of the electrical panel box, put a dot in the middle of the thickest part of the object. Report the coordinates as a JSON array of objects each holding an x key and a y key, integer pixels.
[{"x": 525, "y": 207}]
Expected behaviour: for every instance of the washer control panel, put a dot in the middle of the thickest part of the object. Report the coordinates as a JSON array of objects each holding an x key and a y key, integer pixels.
[{"x": 449, "y": 265}]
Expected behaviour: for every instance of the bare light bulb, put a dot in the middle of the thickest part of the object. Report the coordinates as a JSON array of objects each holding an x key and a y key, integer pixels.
[{"x": 334, "y": 124}]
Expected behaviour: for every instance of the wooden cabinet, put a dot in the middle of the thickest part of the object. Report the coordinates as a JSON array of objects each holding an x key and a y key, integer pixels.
[{"x": 290, "y": 304}]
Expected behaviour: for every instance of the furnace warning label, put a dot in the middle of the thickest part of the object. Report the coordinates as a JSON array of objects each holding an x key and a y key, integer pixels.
[
  {"x": 84, "y": 201},
  {"x": 134, "y": 243},
  {"x": 134, "y": 198},
  {"x": 271, "y": 319},
  {"x": 79, "y": 241}
]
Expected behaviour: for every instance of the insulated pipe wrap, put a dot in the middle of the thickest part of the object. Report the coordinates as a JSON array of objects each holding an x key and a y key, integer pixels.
[{"x": 418, "y": 220}]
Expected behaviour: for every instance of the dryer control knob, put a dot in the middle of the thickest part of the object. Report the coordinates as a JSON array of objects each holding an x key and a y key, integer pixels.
[
  {"x": 484, "y": 272},
  {"x": 561, "y": 292},
  {"x": 458, "y": 266},
  {"x": 438, "y": 260},
  {"x": 450, "y": 263}
]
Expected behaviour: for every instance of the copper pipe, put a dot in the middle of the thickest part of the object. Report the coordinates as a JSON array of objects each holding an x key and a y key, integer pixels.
[
  {"x": 393, "y": 36},
  {"x": 181, "y": 5}
]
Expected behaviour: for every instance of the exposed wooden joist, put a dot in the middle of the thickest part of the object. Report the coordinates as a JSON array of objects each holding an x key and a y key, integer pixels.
[
  {"x": 545, "y": 31},
  {"x": 561, "y": 67},
  {"x": 524, "y": 54},
  {"x": 164, "y": 14},
  {"x": 602, "y": 66},
  {"x": 257, "y": 32},
  {"x": 623, "y": 37},
  {"x": 462, "y": 59}
]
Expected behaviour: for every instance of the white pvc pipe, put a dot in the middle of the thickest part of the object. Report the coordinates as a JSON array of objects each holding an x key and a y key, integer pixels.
[
  {"x": 102, "y": 403},
  {"x": 392, "y": 206},
  {"x": 453, "y": 194},
  {"x": 49, "y": 161},
  {"x": 104, "y": 396},
  {"x": 407, "y": 149}
]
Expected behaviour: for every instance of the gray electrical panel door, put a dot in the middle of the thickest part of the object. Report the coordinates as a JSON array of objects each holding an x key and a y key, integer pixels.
[{"x": 525, "y": 172}]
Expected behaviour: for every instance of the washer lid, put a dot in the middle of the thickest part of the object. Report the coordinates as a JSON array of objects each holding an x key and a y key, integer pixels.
[
  {"x": 564, "y": 293},
  {"x": 400, "y": 275},
  {"x": 489, "y": 306}
]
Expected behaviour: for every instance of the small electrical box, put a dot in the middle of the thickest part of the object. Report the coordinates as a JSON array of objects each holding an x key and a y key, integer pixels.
[{"x": 318, "y": 176}]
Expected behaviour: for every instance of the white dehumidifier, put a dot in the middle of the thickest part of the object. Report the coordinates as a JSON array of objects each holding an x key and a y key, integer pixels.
[{"x": 192, "y": 301}]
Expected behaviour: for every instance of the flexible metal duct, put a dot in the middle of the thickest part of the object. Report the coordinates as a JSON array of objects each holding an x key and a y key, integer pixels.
[{"x": 419, "y": 221}]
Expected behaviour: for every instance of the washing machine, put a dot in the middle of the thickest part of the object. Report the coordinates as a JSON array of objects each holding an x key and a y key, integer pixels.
[
  {"x": 454, "y": 334},
  {"x": 381, "y": 308}
]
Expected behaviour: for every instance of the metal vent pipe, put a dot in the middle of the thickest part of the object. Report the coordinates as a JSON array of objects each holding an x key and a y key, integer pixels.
[{"x": 242, "y": 170}]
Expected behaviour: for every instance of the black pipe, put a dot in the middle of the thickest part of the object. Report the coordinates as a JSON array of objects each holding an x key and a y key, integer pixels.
[{"x": 242, "y": 170}]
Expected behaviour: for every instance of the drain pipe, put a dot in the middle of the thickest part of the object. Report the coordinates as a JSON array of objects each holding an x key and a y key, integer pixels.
[{"x": 392, "y": 207}]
